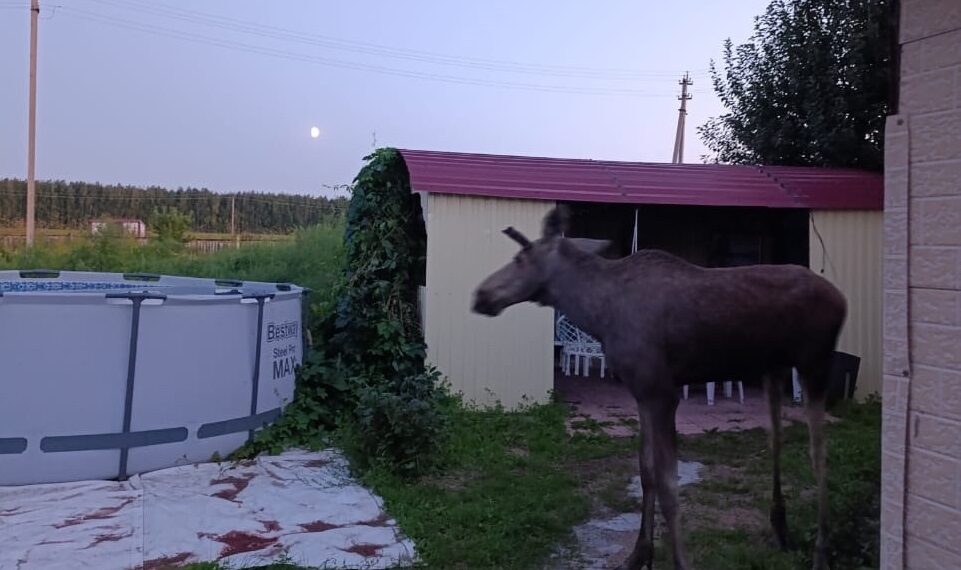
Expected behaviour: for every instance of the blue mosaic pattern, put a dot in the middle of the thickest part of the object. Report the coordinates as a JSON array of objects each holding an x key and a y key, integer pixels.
[{"x": 45, "y": 286}]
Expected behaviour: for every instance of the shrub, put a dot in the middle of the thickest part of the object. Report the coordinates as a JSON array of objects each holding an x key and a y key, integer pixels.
[
  {"x": 367, "y": 374},
  {"x": 400, "y": 424},
  {"x": 170, "y": 225}
]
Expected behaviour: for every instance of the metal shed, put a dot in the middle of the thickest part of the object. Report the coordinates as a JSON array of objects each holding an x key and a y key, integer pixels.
[{"x": 832, "y": 220}]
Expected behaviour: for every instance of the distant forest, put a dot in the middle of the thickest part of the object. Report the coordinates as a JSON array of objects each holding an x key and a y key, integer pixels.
[{"x": 71, "y": 205}]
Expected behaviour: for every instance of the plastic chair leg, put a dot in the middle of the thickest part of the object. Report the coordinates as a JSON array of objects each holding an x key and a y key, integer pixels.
[{"x": 796, "y": 385}]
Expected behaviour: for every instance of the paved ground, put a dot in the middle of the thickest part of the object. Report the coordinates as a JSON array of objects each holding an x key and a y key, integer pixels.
[
  {"x": 608, "y": 402},
  {"x": 605, "y": 541},
  {"x": 299, "y": 506}
]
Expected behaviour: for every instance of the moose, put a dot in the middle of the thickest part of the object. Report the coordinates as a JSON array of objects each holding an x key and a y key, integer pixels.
[{"x": 664, "y": 322}]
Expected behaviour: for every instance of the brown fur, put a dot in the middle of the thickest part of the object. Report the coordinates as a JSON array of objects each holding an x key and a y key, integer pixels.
[{"x": 663, "y": 323}]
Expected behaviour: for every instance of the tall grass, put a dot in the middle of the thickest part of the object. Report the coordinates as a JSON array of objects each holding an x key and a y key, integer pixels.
[
  {"x": 312, "y": 259},
  {"x": 307, "y": 260}
]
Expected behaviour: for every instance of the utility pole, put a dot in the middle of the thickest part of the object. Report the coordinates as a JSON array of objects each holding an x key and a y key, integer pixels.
[
  {"x": 233, "y": 218},
  {"x": 682, "y": 113},
  {"x": 32, "y": 126}
]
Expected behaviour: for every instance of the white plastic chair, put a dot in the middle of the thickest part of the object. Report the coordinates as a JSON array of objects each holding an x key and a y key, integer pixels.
[
  {"x": 728, "y": 391},
  {"x": 565, "y": 334},
  {"x": 795, "y": 386},
  {"x": 577, "y": 345},
  {"x": 588, "y": 348}
]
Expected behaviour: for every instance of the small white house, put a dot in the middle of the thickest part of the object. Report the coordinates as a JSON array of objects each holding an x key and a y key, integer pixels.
[{"x": 136, "y": 228}]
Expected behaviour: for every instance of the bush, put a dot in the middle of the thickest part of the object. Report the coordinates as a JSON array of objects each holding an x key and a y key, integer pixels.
[
  {"x": 170, "y": 225},
  {"x": 367, "y": 377},
  {"x": 400, "y": 424}
]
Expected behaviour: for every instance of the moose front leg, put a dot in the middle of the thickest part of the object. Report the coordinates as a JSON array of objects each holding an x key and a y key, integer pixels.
[
  {"x": 773, "y": 388},
  {"x": 665, "y": 466}
]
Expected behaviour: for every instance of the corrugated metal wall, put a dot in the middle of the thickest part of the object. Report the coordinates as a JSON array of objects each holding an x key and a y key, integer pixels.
[
  {"x": 506, "y": 358},
  {"x": 853, "y": 242}
]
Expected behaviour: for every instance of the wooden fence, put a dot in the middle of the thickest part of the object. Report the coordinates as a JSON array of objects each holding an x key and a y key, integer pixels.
[{"x": 200, "y": 244}]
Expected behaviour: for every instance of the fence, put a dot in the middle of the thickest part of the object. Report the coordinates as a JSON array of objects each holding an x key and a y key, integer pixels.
[{"x": 199, "y": 245}]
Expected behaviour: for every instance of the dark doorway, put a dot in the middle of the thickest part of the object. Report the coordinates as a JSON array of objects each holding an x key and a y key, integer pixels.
[{"x": 705, "y": 235}]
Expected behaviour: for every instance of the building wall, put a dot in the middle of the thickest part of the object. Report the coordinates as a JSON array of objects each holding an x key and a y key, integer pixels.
[
  {"x": 851, "y": 259},
  {"x": 921, "y": 461},
  {"x": 507, "y": 358}
]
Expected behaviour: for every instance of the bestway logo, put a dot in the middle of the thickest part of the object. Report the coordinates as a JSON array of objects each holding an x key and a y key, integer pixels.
[{"x": 281, "y": 331}]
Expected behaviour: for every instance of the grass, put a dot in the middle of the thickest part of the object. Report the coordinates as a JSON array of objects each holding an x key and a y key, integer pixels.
[
  {"x": 726, "y": 514},
  {"x": 509, "y": 492},
  {"x": 311, "y": 259},
  {"x": 513, "y": 484}
]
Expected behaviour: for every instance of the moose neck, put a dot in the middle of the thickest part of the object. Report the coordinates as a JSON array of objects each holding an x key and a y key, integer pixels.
[{"x": 576, "y": 287}]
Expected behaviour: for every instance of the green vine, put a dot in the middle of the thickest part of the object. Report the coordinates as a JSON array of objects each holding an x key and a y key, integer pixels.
[{"x": 366, "y": 378}]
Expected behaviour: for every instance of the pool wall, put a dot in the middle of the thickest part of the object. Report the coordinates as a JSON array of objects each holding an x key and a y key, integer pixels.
[{"x": 105, "y": 375}]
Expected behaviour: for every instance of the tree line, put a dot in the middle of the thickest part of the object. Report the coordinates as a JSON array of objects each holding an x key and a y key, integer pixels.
[{"x": 71, "y": 205}]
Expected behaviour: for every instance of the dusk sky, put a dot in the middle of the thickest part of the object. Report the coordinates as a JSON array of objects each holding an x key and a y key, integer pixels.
[{"x": 223, "y": 94}]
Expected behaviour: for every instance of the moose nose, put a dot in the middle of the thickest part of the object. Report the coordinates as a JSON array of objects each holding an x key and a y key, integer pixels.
[{"x": 482, "y": 303}]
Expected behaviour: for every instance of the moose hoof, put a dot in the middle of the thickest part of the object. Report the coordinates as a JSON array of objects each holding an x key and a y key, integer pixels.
[
  {"x": 779, "y": 524},
  {"x": 642, "y": 558}
]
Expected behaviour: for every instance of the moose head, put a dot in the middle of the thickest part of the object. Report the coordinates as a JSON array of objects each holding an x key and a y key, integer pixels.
[{"x": 528, "y": 276}]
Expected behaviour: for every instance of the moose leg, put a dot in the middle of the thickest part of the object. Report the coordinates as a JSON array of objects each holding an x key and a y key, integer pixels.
[
  {"x": 665, "y": 466},
  {"x": 773, "y": 387},
  {"x": 643, "y": 554},
  {"x": 815, "y": 413}
]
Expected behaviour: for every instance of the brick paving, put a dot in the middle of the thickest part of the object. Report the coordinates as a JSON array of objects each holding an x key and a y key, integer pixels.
[{"x": 608, "y": 402}]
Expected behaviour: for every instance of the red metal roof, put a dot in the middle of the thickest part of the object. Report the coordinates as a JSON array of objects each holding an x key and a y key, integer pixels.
[{"x": 578, "y": 180}]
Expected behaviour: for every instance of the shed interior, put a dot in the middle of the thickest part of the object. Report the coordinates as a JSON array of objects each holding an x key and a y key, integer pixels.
[{"x": 709, "y": 236}]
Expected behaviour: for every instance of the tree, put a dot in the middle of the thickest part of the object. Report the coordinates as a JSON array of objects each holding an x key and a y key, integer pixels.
[
  {"x": 811, "y": 86},
  {"x": 170, "y": 225}
]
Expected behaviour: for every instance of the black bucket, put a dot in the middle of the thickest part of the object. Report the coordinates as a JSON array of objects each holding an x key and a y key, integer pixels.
[{"x": 843, "y": 377}]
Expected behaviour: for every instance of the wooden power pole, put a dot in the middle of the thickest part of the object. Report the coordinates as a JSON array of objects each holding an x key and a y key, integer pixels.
[
  {"x": 233, "y": 218},
  {"x": 678, "y": 157},
  {"x": 32, "y": 126}
]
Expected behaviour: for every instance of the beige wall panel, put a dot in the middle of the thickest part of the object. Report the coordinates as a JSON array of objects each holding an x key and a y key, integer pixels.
[
  {"x": 853, "y": 262},
  {"x": 504, "y": 359}
]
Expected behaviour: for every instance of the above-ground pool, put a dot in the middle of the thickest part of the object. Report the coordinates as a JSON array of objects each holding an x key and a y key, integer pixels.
[{"x": 105, "y": 375}]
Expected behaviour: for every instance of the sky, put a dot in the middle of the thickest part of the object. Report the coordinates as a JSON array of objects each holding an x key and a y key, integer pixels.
[{"x": 222, "y": 94}]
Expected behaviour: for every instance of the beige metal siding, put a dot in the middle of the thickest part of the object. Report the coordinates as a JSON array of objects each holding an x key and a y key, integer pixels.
[
  {"x": 504, "y": 359},
  {"x": 853, "y": 243}
]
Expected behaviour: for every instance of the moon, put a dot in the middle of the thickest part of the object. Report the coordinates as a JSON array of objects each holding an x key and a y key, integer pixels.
[{"x": 314, "y": 132}]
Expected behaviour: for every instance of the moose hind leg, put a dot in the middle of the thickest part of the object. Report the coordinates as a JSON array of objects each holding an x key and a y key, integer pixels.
[
  {"x": 665, "y": 466},
  {"x": 773, "y": 387},
  {"x": 815, "y": 411}
]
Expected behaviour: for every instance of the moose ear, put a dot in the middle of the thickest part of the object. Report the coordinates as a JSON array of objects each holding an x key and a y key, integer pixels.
[
  {"x": 518, "y": 237},
  {"x": 594, "y": 246},
  {"x": 556, "y": 222}
]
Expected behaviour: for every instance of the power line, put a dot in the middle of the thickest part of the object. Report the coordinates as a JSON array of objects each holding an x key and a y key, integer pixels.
[
  {"x": 294, "y": 56},
  {"x": 286, "y": 34}
]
